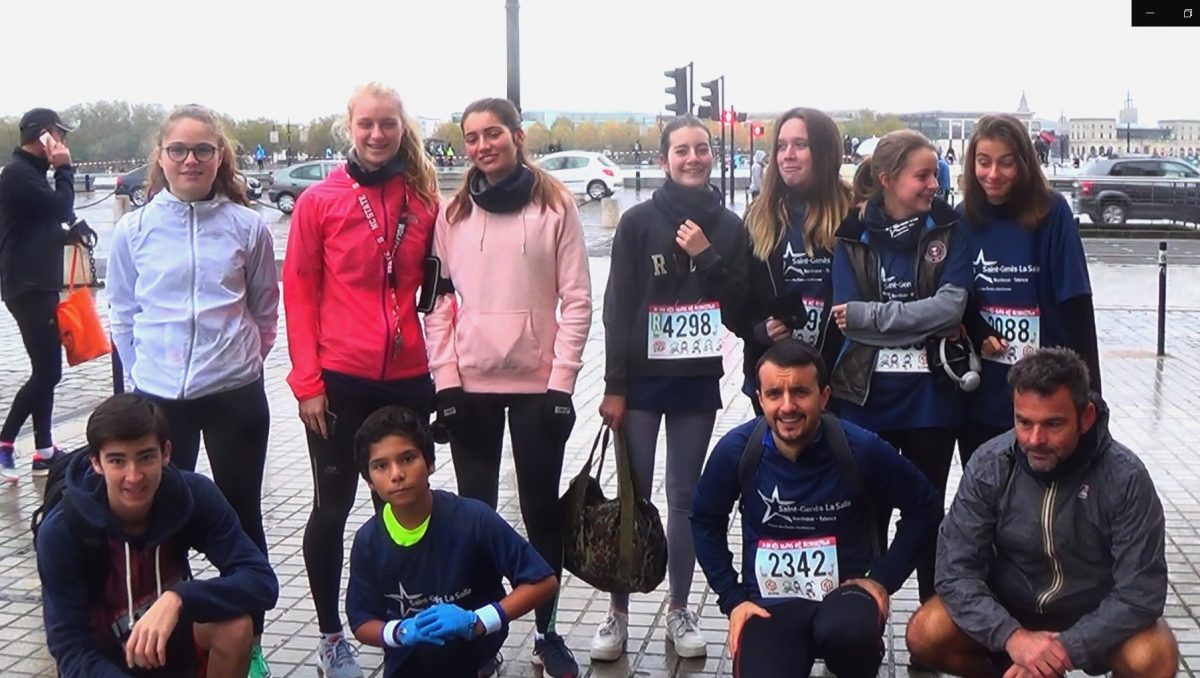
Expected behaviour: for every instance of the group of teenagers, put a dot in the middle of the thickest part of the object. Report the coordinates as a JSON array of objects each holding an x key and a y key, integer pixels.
[{"x": 867, "y": 302}]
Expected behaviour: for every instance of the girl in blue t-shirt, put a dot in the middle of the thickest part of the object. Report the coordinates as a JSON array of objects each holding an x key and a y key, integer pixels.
[
  {"x": 1031, "y": 286},
  {"x": 901, "y": 275},
  {"x": 791, "y": 226}
]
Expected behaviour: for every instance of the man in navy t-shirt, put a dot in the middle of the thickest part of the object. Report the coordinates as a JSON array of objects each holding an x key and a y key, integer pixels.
[
  {"x": 426, "y": 571},
  {"x": 813, "y": 585}
]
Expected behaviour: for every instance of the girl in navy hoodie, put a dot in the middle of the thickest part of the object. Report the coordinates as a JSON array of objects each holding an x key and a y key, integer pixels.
[{"x": 679, "y": 263}]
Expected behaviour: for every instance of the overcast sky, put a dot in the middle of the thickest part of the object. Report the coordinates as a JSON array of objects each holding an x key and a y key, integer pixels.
[{"x": 279, "y": 59}]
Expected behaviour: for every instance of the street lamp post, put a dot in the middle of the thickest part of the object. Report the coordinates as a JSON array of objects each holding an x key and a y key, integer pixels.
[
  {"x": 513, "y": 11},
  {"x": 1062, "y": 130}
]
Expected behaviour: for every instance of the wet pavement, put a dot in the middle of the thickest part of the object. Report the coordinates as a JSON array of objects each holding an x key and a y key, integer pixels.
[{"x": 1153, "y": 402}]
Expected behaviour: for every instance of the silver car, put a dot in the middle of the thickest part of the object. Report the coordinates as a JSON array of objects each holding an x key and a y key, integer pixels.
[{"x": 287, "y": 183}]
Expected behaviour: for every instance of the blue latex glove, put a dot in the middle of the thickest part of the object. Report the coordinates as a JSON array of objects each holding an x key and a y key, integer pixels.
[
  {"x": 446, "y": 622},
  {"x": 408, "y": 635}
]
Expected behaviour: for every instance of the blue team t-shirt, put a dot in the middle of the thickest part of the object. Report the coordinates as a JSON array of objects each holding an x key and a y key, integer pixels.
[
  {"x": 467, "y": 550},
  {"x": 903, "y": 395},
  {"x": 1021, "y": 277},
  {"x": 809, "y": 278}
]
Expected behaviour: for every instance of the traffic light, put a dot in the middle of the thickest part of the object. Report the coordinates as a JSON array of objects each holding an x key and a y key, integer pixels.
[
  {"x": 741, "y": 117},
  {"x": 757, "y": 130},
  {"x": 727, "y": 117},
  {"x": 679, "y": 91},
  {"x": 712, "y": 106}
]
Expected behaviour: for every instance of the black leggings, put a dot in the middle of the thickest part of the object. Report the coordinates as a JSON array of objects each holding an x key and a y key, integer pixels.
[
  {"x": 845, "y": 630},
  {"x": 972, "y": 436},
  {"x": 335, "y": 479},
  {"x": 476, "y": 448},
  {"x": 235, "y": 425},
  {"x": 929, "y": 449},
  {"x": 36, "y": 314}
]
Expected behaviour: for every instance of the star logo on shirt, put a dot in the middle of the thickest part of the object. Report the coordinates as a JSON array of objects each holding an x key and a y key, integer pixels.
[
  {"x": 774, "y": 505},
  {"x": 981, "y": 264},
  {"x": 793, "y": 261},
  {"x": 407, "y": 600}
]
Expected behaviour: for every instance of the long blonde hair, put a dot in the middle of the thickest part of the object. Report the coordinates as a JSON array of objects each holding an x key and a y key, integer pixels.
[
  {"x": 890, "y": 157},
  {"x": 547, "y": 191},
  {"x": 829, "y": 198},
  {"x": 227, "y": 182},
  {"x": 419, "y": 171}
]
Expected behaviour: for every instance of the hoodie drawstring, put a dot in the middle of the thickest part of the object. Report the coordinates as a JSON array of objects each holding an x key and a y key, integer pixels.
[
  {"x": 524, "y": 231},
  {"x": 129, "y": 579},
  {"x": 128, "y": 586}
]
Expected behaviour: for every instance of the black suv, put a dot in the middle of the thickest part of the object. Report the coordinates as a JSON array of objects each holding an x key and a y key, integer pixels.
[{"x": 1113, "y": 190}]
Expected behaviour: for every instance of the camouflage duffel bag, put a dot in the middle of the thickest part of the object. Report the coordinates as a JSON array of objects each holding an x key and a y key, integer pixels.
[{"x": 616, "y": 545}]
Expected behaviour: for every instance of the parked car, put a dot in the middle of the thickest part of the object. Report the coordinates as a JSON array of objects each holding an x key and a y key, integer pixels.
[
  {"x": 132, "y": 184},
  {"x": 584, "y": 172},
  {"x": 1113, "y": 190},
  {"x": 287, "y": 183}
]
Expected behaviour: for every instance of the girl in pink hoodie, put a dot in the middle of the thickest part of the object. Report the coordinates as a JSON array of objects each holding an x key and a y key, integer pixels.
[{"x": 510, "y": 337}]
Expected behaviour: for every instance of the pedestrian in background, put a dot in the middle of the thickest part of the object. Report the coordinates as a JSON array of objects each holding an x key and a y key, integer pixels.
[
  {"x": 194, "y": 323},
  {"x": 32, "y": 215},
  {"x": 756, "y": 173},
  {"x": 351, "y": 273}
]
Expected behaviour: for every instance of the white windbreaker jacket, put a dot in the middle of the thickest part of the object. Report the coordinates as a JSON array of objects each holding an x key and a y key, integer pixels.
[{"x": 193, "y": 294}]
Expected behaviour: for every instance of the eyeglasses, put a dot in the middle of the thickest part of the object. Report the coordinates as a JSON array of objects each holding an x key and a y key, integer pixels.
[{"x": 179, "y": 152}]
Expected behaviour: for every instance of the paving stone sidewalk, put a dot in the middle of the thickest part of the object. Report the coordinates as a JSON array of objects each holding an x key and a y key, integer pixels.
[{"x": 1154, "y": 404}]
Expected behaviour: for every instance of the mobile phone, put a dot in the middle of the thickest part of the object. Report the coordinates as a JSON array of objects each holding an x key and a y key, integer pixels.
[
  {"x": 431, "y": 275},
  {"x": 330, "y": 421},
  {"x": 45, "y": 139}
]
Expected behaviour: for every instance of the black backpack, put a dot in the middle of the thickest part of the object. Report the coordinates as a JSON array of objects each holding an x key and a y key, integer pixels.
[
  {"x": 56, "y": 487},
  {"x": 93, "y": 541},
  {"x": 847, "y": 467}
]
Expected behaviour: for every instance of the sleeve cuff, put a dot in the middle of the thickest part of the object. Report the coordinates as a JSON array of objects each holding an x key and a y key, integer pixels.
[
  {"x": 616, "y": 387},
  {"x": 731, "y": 599},
  {"x": 447, "y": 376},
  {"x": 858, "y": 314},
  {"x": 707, "y": 259},
  {"x": 562, "y": 380}
]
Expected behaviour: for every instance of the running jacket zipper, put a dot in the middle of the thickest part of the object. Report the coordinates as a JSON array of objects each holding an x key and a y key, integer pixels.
[
  {"x": 383, "y": 296},
  {"x": 187, "y": 364},
  {"x": 1047, "y": 520}
]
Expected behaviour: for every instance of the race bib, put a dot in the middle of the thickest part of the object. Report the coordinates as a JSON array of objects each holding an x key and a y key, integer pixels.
[
  {"x": 1020, "y": 327},
  {"x": 684, "y": 331},
  {"x": 811, "y": 332},
  {"x": 902, "y": 360},
  {"x": 797, "y": 568}
]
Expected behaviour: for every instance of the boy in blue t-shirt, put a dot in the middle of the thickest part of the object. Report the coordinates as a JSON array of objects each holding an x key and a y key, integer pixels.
[{"x": 426, "y": 571}]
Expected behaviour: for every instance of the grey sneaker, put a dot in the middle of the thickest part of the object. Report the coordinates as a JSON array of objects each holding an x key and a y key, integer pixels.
[
  {"x": 683, "y": 631},
  {"x": 609, "y": 642},
  {"x": 336, "y": 658}
]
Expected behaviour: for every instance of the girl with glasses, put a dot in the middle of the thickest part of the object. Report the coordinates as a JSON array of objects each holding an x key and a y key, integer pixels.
[{"x": 193, "y": 297}]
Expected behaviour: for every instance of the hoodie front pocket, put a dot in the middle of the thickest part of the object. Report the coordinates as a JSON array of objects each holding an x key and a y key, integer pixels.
[{"x": 497, "y": 341}]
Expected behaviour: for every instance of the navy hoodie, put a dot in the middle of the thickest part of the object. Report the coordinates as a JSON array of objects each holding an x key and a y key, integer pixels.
[
  {"x": 87, "y": 623},
  {"x": 807, "y": 499}
]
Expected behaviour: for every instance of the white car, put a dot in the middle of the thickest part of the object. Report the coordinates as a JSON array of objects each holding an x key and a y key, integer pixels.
[{"x": 584, "y": 172}]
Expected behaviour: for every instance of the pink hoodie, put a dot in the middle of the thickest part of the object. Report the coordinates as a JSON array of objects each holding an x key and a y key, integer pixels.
[{"x": 511, "y": 271}]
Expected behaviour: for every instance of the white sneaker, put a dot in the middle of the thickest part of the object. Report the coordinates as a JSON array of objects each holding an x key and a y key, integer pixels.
[
  {"x": 683, "y": 631},
  {"x": 609, "y": 642},
  {"x": 336, "y": 658}
]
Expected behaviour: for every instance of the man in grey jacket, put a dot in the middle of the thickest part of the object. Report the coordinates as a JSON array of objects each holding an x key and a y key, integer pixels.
[{"x": 1051, "y": 557}]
